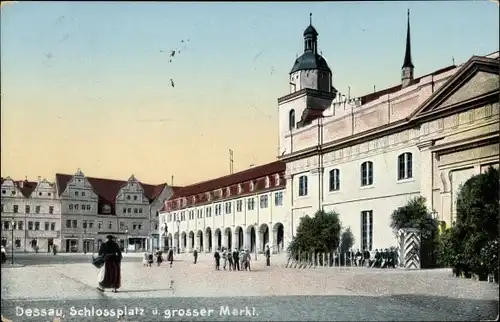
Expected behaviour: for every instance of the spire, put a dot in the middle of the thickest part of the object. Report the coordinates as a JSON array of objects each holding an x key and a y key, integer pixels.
[
  {"x": 407, "y": 62},
  {"x": 310, "y": 18}
]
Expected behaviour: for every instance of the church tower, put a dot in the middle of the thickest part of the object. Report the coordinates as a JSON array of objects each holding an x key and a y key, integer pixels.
[
  {"x": 311, "y": 90},
  {"x": 407, "y": 69}
]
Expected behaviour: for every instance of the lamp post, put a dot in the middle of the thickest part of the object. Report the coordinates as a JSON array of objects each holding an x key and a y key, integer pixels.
[
  {"x": 84, "y": 234},
  {"x": 165, "y": 233},
  {"x": 126, "y": 239},
  {"x": 13, "y": 222},
  {"x": 178, "y": 222},
  {"x": 255, "y": 241},
  {"x": 434, "y": 214}
]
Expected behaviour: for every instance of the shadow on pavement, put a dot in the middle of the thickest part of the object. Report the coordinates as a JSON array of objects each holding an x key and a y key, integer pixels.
[{"x": 271, "y": 308}]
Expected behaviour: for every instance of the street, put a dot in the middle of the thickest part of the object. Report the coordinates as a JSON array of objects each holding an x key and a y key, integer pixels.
[
  {"x": 198, "y": 292},
  {"x": 28, "y": 259}
]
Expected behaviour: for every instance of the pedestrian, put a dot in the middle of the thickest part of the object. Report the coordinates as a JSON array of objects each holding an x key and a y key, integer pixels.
[
  {"x": 195, "y": 255},
  {"x": 54, "y": 249},
  {"x": 217, "y": 260},
  {"x": 268, "y": 256},
  {"x": 236, "y": 260},
  {"x": 110, "y": 274},
  {"x": 230, "y": 259},
  {"x": 247, "y": 260},
  {"x": 4, "y": 255},
  {"x": 170, "y": 256},
  {"x": 150, "y": 259},
  {"x": 159, "y": 257}
]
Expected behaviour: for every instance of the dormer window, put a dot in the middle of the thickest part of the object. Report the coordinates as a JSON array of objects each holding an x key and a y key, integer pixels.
[
  {"x": 267, "y": 182},
  {"x": 240, "y": 188},
  {"x": 194, "y": 200},
  {"x": 178, "y": 203},
  {"x": 219, "y": 193},
  {"x": 228, "y": 192},
  {"x": 252, "y": 186},
  {"x": 184, "y": 202},
  {"x": 277, "y": 180},
  {"x": 209, "y": 196}
]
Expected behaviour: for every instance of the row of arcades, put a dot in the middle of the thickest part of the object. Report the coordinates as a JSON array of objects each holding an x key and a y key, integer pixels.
[{"x": 252, "y": 237}]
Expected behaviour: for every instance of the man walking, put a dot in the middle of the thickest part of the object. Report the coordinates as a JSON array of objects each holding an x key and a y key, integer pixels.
[
  {"x": 236, "y": 259},
  {"x": 268, "y": 256},
  {"x": 195, "y": 255},
  {"x": 217, "y": 260}
]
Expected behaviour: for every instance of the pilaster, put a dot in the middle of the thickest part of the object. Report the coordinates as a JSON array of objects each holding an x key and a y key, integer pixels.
[{"x": 426, "y": 173}]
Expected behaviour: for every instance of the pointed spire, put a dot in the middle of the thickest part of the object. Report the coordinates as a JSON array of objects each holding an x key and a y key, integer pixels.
[
  {"x": 407, "y": 61},
  {"x": 310, "y": 18}
]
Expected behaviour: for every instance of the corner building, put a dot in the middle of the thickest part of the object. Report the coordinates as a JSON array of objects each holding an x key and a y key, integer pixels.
[
  {"x": 241, "y": 210},
  {"x": 366, "y": 156}
]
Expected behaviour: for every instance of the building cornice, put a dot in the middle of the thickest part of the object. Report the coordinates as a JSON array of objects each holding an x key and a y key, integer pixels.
[
  {"x": 465, "y": 144},
  {"x": 306, "y": 91}
]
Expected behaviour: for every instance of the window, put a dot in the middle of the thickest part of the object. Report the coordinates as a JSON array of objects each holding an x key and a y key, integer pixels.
[
  {"x": 122, "y": 225},
  {"x": 88, "y": 207},
  {"x": 291, "y": 119},
  {"x": 37, "y": 225},
  {"x": 228, "y": 207},
  {"x": 18, "y": 243},
  {"x": 70, "y": 207},
  {"x": 4, "y": 192},
  {"x": 47, "y": 225},
  {"x": 83, "y": 193},
  {"x": 84, "y": 207},
  {"x": 250, "y": 203},
  {"x": 90, "y": 224},
  {"x": 110, "y": 225},
  {"x": 156, "y": 226},
  {"x": 51, "y": 210},
  {"x": 135, "y": 197},
  {"x": 367, "y": 173},
  {"x": 99, "y": 224},
  {"x": 129, "y": 210},
  {"x": 27, "y": 209},
  {"x": 367, "y": 229},
  {"x": 334, "y": 180},
  {"x": 135, "y": 210},
  {"x": 76, "y": 193},
  {"x": 239, "y": 205},
  {"x": 263, "y": 201},
  {"x": 278, "y": 198},
  {"x": 140, "y": 210},
  {"x": 84, "y": 224},
  {"x": 20, "y": 225},
  {"x": 40, "y": 194},
  {"x": 52, "y": 226},
  {"x": 405, "y": 166},
  {"x": 74, "y": 224},
  {"x": 6, "y": 225},
  {"x": 134, "y": 226},
  {"x": 14, "y": 227},
  {"x": 77, "y": 206},
  {"x": 68, "y": 223},
  {"x": 218, "y": 208},
  {"x": 191, "y": 214},
  {"x": 208, "y": 212},
  {"x": 16, "y": 209},
  {"x": 1, "y": 208},
  {"x": 169, "y": 218},
  {"x": 30, "y": 225},
  {"x": 49, "y": 194},
  {"x": 13, "y": 192},
  {"x": 139, "y": 226},
  {"x": 200, "y": 213},
  {"x": 128, "y": 197},
  {"x": 303, "y": 186}
]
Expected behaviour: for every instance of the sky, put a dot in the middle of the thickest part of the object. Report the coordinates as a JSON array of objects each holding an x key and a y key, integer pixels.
[{"x": 88, "y": 85}]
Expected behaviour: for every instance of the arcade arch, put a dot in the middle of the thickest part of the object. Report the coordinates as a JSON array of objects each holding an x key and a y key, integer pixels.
[{"x": 278, "y": 237}]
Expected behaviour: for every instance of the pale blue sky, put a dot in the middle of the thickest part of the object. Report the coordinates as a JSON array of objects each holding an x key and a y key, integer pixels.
[{"x": 97, "y": 69}]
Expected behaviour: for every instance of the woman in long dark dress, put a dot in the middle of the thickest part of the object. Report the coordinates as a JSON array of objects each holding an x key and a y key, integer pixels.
[{"x": 112, "y": 260}]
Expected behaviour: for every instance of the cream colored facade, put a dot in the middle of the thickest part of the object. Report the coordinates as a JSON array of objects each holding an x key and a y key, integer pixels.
[
  {"x": 448, "y": 123},
  {"x": 251, "y": 221},
  {"x": 36, "y": 211}
]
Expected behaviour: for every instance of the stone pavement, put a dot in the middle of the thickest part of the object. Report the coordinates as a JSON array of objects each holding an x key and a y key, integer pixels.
[{"x": 393, "y": 294}]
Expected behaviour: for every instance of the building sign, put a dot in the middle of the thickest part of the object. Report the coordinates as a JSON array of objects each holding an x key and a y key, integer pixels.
[{"x": 106, "y": 209}]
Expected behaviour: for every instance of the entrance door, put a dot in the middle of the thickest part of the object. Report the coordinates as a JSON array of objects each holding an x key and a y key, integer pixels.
[{"x": 50, "y": 244}]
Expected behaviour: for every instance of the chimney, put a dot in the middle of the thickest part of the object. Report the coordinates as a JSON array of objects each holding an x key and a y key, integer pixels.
[{"x": 172, "y": 181}]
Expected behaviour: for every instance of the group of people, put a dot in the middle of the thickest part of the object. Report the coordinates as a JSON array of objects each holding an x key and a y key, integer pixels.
[
  {"x": 149, "y": 258},
  {"x": 385, "y": 258},
  {"x": 237, "y": 260}
]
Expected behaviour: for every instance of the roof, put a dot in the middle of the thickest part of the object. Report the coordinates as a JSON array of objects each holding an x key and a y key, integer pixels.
[
  {"x": 26, "y": 187},
  {"x": 229, "y": 185},
  {"x": 373, "y": 96},
  {"x": 310, "y": 31},
  {"x": 232, "y": 179},
  {"x": 310, "y": 60},
  {"x": 108, "y": 189}
]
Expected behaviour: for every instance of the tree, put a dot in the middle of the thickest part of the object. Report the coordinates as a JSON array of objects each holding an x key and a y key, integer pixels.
[
  {"x": 415, "y": 215},
  {"x": 477, "y": 220},
  {"x": 317, "y": 234},
  {"x": 346, "y": 240}
]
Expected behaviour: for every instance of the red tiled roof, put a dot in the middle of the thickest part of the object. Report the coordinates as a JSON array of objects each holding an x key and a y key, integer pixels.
[
  {"x": 201, "y": 190},
  {"x": 26, "y": 187},
  {"x": 373, "y": 96},
  {"x": 107, "y": 189}
]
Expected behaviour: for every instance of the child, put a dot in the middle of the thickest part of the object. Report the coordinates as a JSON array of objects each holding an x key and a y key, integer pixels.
[{"x": 150, "y": 259}]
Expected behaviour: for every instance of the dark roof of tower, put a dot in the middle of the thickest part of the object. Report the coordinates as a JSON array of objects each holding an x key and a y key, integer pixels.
[
  {"x": 310, "y": 60},
  {"x": 407, "y": 61},
  {"x": 310, "y": 31}
]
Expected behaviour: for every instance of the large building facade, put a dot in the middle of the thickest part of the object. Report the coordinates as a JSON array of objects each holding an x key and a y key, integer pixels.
[
  {"x": 241, "y": 210},
  {"x": 365, "y": 157},
  {"x": 92, "y": 208},
  {"x": 30, "y": 214}
]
